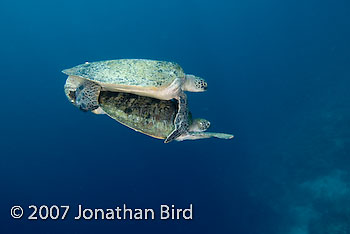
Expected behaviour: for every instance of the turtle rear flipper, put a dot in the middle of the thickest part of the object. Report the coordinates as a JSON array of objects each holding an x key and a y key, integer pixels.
[{"x": 86, "y": 96}]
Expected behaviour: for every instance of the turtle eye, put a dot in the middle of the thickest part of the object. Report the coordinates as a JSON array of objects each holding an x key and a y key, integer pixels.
[
  {"x": 205, "y": 125},
  {"x": 205, "y": 85}
]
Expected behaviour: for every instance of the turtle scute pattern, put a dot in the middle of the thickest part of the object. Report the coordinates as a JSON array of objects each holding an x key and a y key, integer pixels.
[
  {"x": 148, "y": 115},
  {"x": 138, "y": 72}
]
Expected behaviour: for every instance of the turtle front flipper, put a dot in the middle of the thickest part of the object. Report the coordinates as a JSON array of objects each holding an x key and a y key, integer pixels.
[
  {"x": 181, "y": 119},
  {"x": 204, "y": 135},
  {"x": 86, "y": 96}
]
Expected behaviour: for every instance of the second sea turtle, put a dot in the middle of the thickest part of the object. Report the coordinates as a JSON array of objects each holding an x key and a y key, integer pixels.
[{"x": 153, "y": 117}]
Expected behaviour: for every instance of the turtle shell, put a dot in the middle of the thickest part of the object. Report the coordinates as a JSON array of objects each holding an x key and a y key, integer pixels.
[
  {"x": 150, "y": 116},
  {"x": 128, "y": 72}
]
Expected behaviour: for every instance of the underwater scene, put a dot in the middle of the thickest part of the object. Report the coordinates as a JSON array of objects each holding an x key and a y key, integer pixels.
[{"x": 119, "y": 117}]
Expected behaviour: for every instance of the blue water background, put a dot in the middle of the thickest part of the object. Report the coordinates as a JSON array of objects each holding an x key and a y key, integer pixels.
[{"x": 278, "y": 75}]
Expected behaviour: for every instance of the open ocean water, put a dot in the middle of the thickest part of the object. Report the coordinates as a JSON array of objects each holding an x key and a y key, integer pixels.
[{"x": 279, "y": 79}]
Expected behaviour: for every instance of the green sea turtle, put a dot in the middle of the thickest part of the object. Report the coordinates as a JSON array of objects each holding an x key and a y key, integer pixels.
[
  {"x": 152, "y": 117},
  {"x": 157, "y": 79}
]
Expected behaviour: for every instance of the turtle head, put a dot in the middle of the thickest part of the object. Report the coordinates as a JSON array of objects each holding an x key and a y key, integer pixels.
[
  {"x": 194, "y": 84},
  {"x": 199, "y": 125}
]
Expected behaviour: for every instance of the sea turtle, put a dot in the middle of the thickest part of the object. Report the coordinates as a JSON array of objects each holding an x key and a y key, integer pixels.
[
  {"x": 157, "y": 79},
  {"x": 152, "y": 117}
]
